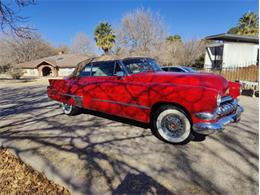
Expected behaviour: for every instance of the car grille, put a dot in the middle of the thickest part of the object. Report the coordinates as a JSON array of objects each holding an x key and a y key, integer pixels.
[{"x": 227, "y": 106}]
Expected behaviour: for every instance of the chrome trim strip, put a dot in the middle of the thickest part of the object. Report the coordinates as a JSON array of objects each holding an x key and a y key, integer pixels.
[
  {"x": 121, "y": 103},
  {"x": 65, "y": 94},
  {"x": 70, "y": 95},
  {"x": 206, "y": 115},
  {"x": 209, "y": 128},
  {"x": 77, "y": 99}
]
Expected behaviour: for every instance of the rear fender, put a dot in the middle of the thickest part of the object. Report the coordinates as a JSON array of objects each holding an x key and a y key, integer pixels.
[{"x": 59, "y": 90}]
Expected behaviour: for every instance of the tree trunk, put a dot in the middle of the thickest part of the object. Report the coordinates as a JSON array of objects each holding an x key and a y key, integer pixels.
[{"x": 106, "y": 51}]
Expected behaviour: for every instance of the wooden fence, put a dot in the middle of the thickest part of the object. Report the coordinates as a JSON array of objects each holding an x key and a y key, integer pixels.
[{"x": 249, "y": 73}]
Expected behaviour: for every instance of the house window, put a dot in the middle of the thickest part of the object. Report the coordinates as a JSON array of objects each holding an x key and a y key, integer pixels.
[{"x": 217, "y": 57}]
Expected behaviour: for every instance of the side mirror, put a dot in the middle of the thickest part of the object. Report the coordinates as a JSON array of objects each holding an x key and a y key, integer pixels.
[{"x": 120, "y": 73}]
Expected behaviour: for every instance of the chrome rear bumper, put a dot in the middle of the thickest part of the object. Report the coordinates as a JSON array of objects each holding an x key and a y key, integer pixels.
[{"x": 209, "y": 128}]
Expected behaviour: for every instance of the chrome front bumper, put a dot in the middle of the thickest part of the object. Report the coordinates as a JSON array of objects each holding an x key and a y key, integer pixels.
[{"x": 209, "y": 128}]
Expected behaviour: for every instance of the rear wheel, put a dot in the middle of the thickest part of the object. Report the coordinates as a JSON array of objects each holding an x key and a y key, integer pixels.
[
  {"x": 69, "y": 109},
  {"x": 171, "y": 124}
]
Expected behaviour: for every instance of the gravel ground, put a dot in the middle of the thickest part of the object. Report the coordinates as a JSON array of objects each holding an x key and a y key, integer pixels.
[{"x": 92, "y": 153}]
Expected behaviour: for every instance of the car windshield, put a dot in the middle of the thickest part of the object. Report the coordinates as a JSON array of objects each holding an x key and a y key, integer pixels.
[{"x": 141, "y": 65}]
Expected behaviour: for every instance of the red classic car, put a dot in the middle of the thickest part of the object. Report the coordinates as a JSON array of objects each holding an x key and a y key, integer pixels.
[{"x": 175, "y": 104}]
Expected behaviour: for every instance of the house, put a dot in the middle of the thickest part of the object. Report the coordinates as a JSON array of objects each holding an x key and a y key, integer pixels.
[
  {"x": 229, "y": 50},
  {"x": 58, "y": 65}
]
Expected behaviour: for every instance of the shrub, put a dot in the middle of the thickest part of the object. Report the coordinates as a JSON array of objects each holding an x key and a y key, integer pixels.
[
  {"x": 16, "y": 73},
  {"x": 4, "y": 68}
]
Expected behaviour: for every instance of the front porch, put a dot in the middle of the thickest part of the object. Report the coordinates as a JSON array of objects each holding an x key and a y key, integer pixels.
[{"x": 47, "y": 69}]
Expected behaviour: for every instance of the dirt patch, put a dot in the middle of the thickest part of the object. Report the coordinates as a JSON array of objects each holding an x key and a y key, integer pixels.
[{"x": 19, "y": 178}]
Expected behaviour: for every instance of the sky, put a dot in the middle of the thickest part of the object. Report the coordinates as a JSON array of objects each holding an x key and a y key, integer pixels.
[{"x": 59, "y": 21}]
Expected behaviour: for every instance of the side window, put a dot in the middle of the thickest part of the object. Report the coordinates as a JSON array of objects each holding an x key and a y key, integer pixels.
[
  {"x": 165, "y": 69},
  {"x": 176, "y": 70},
  {"x": 86, "y": 71},
  {"x": 103, "y": 68},
  {"x": 138, "y": 65}
]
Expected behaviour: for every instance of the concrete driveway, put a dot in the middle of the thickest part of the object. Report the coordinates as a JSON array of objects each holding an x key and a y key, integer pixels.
[{"x": 91, "y": 154}]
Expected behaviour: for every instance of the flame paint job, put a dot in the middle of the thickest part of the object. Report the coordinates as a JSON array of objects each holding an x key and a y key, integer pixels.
[{"x": 135, "y": 96}]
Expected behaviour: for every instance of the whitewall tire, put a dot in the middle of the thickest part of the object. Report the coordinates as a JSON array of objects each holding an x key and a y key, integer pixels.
[
  {"x": 69, "y": 109},
  {"x": 171, "y": 124}
]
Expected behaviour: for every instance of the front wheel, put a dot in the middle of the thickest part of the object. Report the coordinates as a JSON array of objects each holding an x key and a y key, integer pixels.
[
  {"x": 171, "y": 124},
  {"x": 69, "y": 109}
]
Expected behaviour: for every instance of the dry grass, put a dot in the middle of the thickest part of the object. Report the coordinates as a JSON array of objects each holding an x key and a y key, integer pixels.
[{"x": 19, "y": 178}]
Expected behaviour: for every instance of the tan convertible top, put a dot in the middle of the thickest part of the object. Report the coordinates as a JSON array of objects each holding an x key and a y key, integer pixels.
[{"x": 82, "y": 64}]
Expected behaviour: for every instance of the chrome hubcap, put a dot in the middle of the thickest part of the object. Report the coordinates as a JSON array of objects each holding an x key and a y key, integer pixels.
[
  {"x": 66, "y": 108},
  {"x": 173, "y": 125}
]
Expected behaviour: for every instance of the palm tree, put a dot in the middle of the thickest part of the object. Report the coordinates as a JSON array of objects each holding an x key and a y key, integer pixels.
[
  {"x": 104, "y": 36},
  {"x": 173, "y": 38},
  {"x": 248, "y": 24},
  {"x": 233, "y": 30}
]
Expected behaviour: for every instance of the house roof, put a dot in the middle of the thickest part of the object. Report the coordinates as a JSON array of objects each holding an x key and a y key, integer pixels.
[
  {"x": 61, "y": 61},
  {"x": 234, "y": 38}
]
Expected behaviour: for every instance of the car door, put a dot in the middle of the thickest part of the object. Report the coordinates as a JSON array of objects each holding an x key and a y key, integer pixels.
[
  {"x": 128, "y": 97},
  {"x": 97, "y": 93},
  {"x": 110, "y": 91},
  {"x": 111, "y": 95},
  {"x": 80, "y": 82}
]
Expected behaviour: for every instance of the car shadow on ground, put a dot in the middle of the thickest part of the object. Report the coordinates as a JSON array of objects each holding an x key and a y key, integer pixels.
[{"x": 195, "y": 137}]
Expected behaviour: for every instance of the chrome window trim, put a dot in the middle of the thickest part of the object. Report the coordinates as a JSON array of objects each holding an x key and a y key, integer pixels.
[{"x": 122, "y": 66}]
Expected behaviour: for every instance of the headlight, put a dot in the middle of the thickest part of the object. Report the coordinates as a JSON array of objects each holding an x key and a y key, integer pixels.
[
  {"x": 227, "y": 91},
  {"x": 218, "y": 100}
]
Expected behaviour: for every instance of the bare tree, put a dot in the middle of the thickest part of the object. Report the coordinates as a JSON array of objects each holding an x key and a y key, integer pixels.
[
  {"x": 9, "y": 20},
  {"x": 141, "y": 31},
  {"x": 171, "y": 52},
  {"x": 14, "y": 50},
  {"x": 181, "y": 53},
  {"x": 193, "y": 49},
  {"x": 82, "y": 44},
  {"x": 63, "y": 48}
]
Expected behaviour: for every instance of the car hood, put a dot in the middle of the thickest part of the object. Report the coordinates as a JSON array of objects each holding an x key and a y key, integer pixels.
[{"x": 207, "y": 80}]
